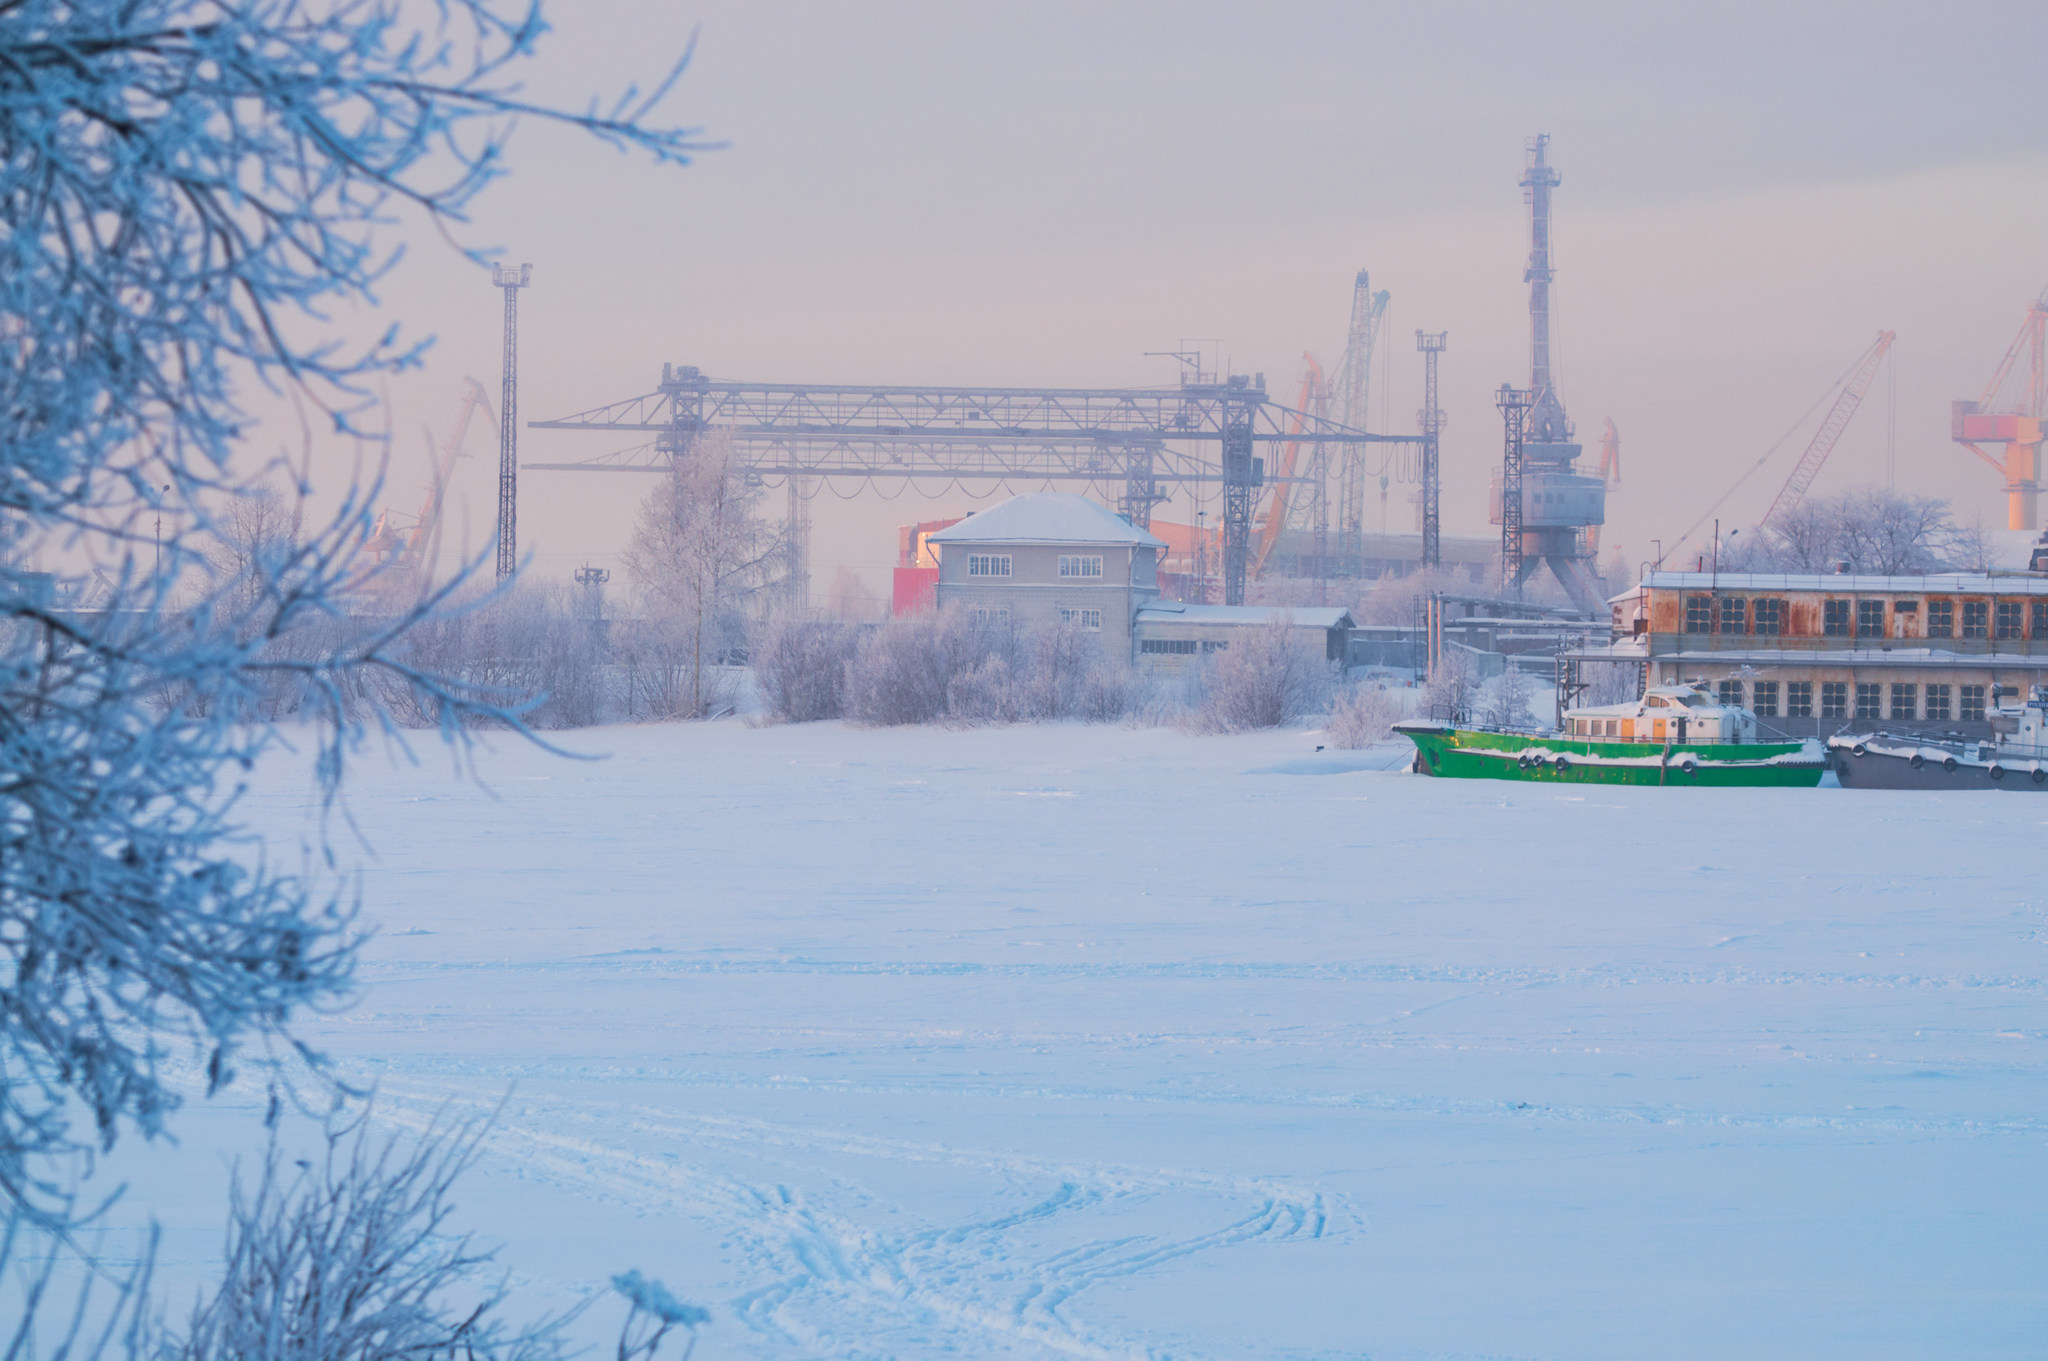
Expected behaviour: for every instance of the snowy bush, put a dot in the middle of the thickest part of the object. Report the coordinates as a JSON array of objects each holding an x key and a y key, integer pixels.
[
  {"x": 941, "y": 666},
  {"x": 1269, "y": 675},
  {"x": 1364, "y": 715},
  {"x": 1452, "y": 686},
  {"x": 1506, "y": 701},
  {"x": 800, "y": 667}
]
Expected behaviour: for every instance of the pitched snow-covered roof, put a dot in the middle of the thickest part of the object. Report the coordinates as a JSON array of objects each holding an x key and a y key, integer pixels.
[
  {"x": 1046, "y": 517},
  {"x": 1308, "y": 617}
]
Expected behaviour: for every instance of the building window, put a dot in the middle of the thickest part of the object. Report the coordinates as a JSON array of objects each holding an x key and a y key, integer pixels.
[
  {"x": 1699, "y": 614},
  {"x": 1835, "y": 619},
  {"x": 1870, "y": 619},
  {"x": 1973, "y": 704},
  {"x": 1770, "y": 617},
  {"x": 988, "y": 564},
  {"x": 1799, "y": 699},
  {"x": 1976, "y": 618},
  {"x": 1215, "y": 645},
  {"x": 1941, "y": 619},
  {"x": 1834, "y": 699},
  {"x": 1905, "y": 700},
  {"x": 2008, "y": 625},
  {"x": 1729, "y": 692},
  {"x": 1734, "y": 614},
  {"x": 1869, "y": 699},
  {"x": 991, "y": 614},
  {"x": 1091, "y": 620},
  {"x": 1076, "y": 565},
  {"x": 1937, "y": 704},
  {"x": 2040, "y": 627},
  {"x": 1766, "y": 693},
  {"x": 1168, "y": 647}
]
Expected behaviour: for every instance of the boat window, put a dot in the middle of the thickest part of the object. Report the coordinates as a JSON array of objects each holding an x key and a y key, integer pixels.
[
  {"x": 1656, "y": 702},
  {"x": 1613, "y": 727}
]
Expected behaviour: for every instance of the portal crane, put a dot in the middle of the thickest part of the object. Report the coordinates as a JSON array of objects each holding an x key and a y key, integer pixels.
[
  {"x": 1351, "y": 390},
  {"x": 2016, "y": 422},
  {"x": 1610, "y": 475},
  {"x": 1823, "y": 443},
  {"x": 409, "y": 548},
  {"x": 1312, "y": 401}
]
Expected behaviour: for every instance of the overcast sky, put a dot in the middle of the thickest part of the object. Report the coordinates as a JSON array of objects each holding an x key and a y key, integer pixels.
[{"x": 1037, "y": 194}]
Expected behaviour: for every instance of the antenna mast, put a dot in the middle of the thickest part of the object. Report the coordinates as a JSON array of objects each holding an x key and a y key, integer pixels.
[{"x": 511, "y": 280}]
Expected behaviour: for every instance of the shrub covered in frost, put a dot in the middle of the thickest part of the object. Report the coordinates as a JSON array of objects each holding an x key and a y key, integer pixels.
[
  {"x": 1363, "y": 715},
  {"x": 1269, "y": 675},
  {"x": 800, "y": 667}
]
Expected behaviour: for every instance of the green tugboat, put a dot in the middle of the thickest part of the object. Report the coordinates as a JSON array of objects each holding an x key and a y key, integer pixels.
[{"x": 1673, "y": 735}]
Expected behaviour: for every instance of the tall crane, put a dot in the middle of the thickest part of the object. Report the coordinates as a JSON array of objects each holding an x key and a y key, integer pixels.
[
  {"x": 1351, "y": 389},
  {"x": 2013, "y": 420},
  {"x": 1823, "y": 443},
  {"x": 1610, "y": 475},
  {"x": 1311, "y": 403},
  {"x": 411, "y": 548}
]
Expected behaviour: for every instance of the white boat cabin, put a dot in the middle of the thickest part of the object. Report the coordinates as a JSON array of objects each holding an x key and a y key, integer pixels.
[
  {"x": 2023, "y": 730},
  {"x": 1666, "y": 713}
]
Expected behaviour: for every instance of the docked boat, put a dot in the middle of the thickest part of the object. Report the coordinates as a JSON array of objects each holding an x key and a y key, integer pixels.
[
  {"x": 2016, "y": 757},
  {"x": 1673, "y": 735}
]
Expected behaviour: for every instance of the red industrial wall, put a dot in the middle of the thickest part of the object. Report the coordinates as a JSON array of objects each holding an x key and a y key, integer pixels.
[{"x": 916, "y": 589}]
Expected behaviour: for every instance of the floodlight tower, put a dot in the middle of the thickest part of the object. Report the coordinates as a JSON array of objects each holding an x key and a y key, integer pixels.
[
  {"x": 1431, "y": 344},
  {"x": 511, "y": 281}
]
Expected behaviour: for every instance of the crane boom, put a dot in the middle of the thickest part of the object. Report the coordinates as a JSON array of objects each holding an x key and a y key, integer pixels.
[
  {"x": 1831, "y": 429},
  {"x": 1290, "y": 455}
]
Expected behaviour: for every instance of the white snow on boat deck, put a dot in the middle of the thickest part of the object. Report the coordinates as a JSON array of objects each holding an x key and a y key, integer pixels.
[{"x": 1097, "y": 1042}]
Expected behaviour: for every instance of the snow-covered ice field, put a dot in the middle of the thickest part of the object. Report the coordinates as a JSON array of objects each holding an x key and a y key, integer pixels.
[{"x": 1099, "y": 1042}]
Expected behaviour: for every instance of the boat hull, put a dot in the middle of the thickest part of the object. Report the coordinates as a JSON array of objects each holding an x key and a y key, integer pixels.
[
  {"x": 1888, "y": 764},
  {"x": 1476, "y": 754}
]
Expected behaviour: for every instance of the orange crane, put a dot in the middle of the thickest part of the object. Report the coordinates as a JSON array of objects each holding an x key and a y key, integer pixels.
[
  {"x": 410, "y": 548},
  {"x": 1312, "y": 399},
  {"x": 1851, "y": 397},
  {"x": 2016, "y": 422},
  {"x": 1610, "y": 473}
]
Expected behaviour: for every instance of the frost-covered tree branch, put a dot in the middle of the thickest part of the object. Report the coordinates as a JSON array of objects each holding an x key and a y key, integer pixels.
[{"x": 187, "y": 189}]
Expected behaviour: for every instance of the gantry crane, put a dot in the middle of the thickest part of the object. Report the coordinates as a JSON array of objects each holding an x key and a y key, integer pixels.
[
  {"x": 2014, "y": 421},
  {"x": 1823, "y": 443},
  {"x": 1311, "y": 404}
]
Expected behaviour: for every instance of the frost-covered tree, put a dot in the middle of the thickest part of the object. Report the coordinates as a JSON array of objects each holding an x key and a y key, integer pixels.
[
  {"x": 1874, "y": 530},
  {"x": 187, "y": 188},
  {"x": 701, "y": 557},
  {"x": 1269, "y": 675}
]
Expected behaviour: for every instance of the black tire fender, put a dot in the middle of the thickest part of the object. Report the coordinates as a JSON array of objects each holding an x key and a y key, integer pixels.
[
  {"x": 1948, "y": 763},
  {"x": 1997, "y": 772},
  {"x": 1561, "y": 765},
  {"x": 2040, "y": 775},
  {"x": 1859, "y": 751},
  {"x": 1917, "y": 761}
]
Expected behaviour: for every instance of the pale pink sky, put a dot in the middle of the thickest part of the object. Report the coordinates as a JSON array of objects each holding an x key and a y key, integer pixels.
[{"x": 1035, "y": 195}]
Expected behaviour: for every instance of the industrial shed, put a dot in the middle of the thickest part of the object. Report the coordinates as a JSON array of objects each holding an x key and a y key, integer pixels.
[{"x": 1169, "y": 636}]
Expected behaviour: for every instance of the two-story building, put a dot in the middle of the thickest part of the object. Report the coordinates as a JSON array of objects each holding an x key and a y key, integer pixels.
[
  {"x": 1050, "y": 557},
  {"x": 1817, "y": 654}
]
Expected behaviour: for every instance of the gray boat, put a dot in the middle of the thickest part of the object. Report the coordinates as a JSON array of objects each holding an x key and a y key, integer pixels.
[{"x": 2016, "y": 757}]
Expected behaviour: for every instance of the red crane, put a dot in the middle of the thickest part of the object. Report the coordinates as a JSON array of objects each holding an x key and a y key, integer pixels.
[
  {"x": 2015, "y": 421},
  {"x": 1313, "y": 396}
]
